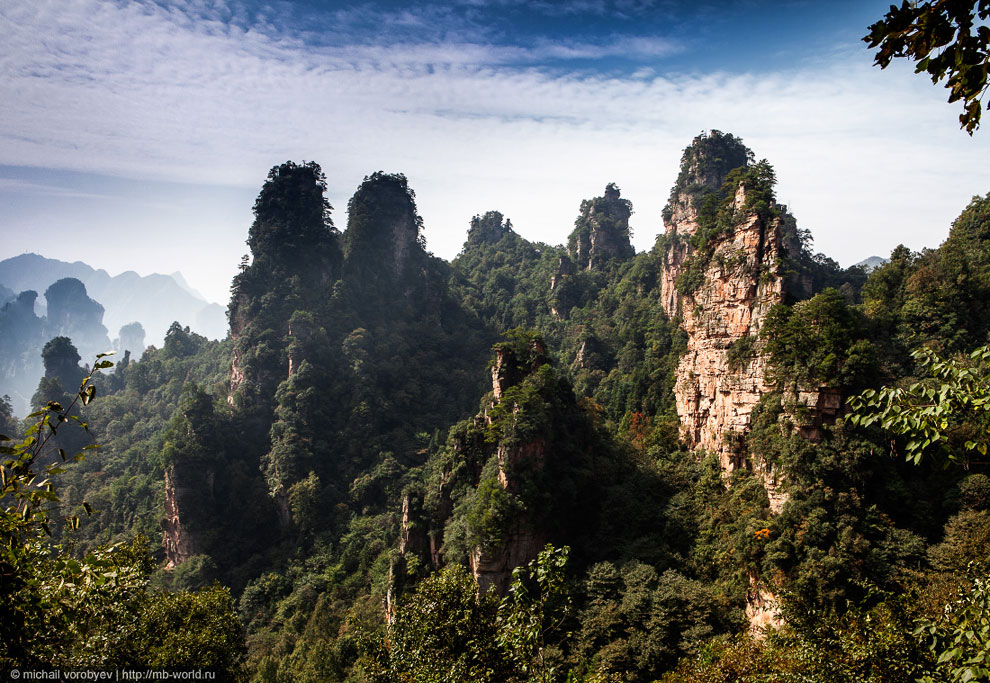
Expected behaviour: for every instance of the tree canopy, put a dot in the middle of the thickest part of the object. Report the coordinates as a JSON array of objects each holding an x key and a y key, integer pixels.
[{"x": 946, "y": 40}]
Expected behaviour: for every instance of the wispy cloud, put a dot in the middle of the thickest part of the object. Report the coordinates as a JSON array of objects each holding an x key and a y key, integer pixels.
[
  {"x": 208, "y": 92},
  {"x": 47, "y": 190}
]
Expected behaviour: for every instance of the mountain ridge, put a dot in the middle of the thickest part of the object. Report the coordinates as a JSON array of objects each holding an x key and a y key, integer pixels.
[{"x": 154, "y": 300}]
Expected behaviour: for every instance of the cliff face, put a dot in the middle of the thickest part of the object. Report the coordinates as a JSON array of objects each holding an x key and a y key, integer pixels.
[
  {"x": 721, "y": 377},
  {"x": 383, "y": 229},
  {"x": 517, "y": 475},
  {"x": 296, "y": 258},
  {"x": 518, "y": 462},
  {"x": 600, "y": 237},
  {"x": 492, "y": 570},
  {"x": 131, "y": 338},
  {"x": 178, "y": 543},
  {"x": 338, "y": 340},
  {"x": 725, "y": 255},
  {"x": 601, "y": 231}
]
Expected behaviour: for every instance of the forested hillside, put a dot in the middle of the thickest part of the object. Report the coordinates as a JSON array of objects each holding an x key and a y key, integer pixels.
[{"x": 536, "y": 462}]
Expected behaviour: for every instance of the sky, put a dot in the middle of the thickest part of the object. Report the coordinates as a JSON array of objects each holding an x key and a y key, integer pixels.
[{"x": 136, "y": 135}]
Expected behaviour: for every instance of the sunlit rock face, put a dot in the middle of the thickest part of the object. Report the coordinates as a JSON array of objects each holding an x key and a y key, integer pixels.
[
  {"x": 724, "y": 256},
  {"x": 739, "y": 283},
  {"x": 185, "y": 488}
]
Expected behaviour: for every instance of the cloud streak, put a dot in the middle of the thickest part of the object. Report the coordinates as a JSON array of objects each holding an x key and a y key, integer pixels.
[{"x": 203, "y": 93}]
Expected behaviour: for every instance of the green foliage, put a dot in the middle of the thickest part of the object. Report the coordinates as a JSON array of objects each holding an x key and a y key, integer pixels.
[
  {"x": 741, "y": 352},
  {"x": 936, "y": 298},
  {"x": 704, "y": 165},
  {"x": 601, "y": 231},
  {"x": 192, "y": 629},
  {"x": 490, "y": 512},
  {"x": 946, "y": 417},
  {"x": 873, "y": 644},
  {"x": 60, "y": 609},
  {"x": 718, "y": 215},
  {"x": 532, "y": 615},
  {"x": 181, "y": 342},
  {"x": 960, "y": 637},
  {"x": 636, "y": 623},
  {"x": 821, "y": 341},
  {"x": 292, "y": 216},
  {"x": 506, "y": 281},
  {"x": 443, "y": 632},
  {"x": 381, "y": 217},
  {"x": 348, "y": 372},
  {"x": 947, "y": 41}
]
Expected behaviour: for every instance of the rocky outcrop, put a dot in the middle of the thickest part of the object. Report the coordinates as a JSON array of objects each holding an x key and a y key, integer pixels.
[
  {"x": 295, "y": 258},
  {"x": 722, "y": 376},
  {"x": 522, "y": 541},
  {"x": 492, "y": 570},
  {"x": 71, "y": 313},
  {"x": 724, "y": 256},
  {"x": 131, "y": 338},
  {"x": 762, "y": 609},
  {"x": 509, "y": 370},
  {"x": 382, "y": 228},
  {"x": 21, "y": 335},
  {"x": 562, "y": 297},
  {"x": 178, "y": 541},
  {"x": 600, "y": 237},
  {"x": 489, "y": 228},
  {"x": 601, "y": 231}
]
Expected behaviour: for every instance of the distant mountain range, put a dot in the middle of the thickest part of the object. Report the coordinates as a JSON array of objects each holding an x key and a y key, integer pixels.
[
  {"x": 872, "y": 262},
  {"x": 156, "y": 301}
]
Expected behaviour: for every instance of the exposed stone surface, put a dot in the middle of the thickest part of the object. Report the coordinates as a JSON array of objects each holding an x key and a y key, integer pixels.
[
  {"x": 601, "y": 231},
  {"x": 131, "y": 338},
  {"x": 21, "y": 335},
  {"x": 492, "y": 567},
  {"x": 723, "y": 375},
  {"x": 236, "y": 376},
  {"x": 177, "y": 540},
  {"x": 412, "y": 537},
  {"x": 492, "y": 570},
  {"x": 565, "y": 267},
  {"x": 600, "y": 236},
  {"x": 818, "y": 406},
  {"x": 740, "y": 283},
  {"x": 504, "y": 372},
  {"x": 762, "y": 609}
]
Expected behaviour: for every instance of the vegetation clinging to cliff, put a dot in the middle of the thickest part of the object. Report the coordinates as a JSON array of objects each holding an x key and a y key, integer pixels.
[
  {"x": 362, "y": 371},
  {"x": 705, "y": 163}
]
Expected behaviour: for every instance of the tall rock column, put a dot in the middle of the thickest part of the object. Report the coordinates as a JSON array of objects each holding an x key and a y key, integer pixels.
[
  {"x": 296, "y": 259},
  {"x": 722, "y": 376},
  {"x": 721, "y": 252}
]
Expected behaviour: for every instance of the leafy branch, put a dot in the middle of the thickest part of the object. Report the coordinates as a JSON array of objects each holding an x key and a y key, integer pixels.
[
  {"x": 24, "y": 492},
  {"x": 940, "y": 37},
  {"x": 948, "y": 414}
]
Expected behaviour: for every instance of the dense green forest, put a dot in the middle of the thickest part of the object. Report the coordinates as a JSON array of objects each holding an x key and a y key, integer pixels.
[{"x": 401, "y": 469}]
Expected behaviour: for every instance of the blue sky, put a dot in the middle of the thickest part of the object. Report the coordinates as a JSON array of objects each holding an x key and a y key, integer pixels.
[{"x": 135, "y": 135}]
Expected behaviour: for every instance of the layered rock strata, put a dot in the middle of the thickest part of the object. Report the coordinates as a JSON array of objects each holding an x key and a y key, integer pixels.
[{"x": 716, "y": 390}]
